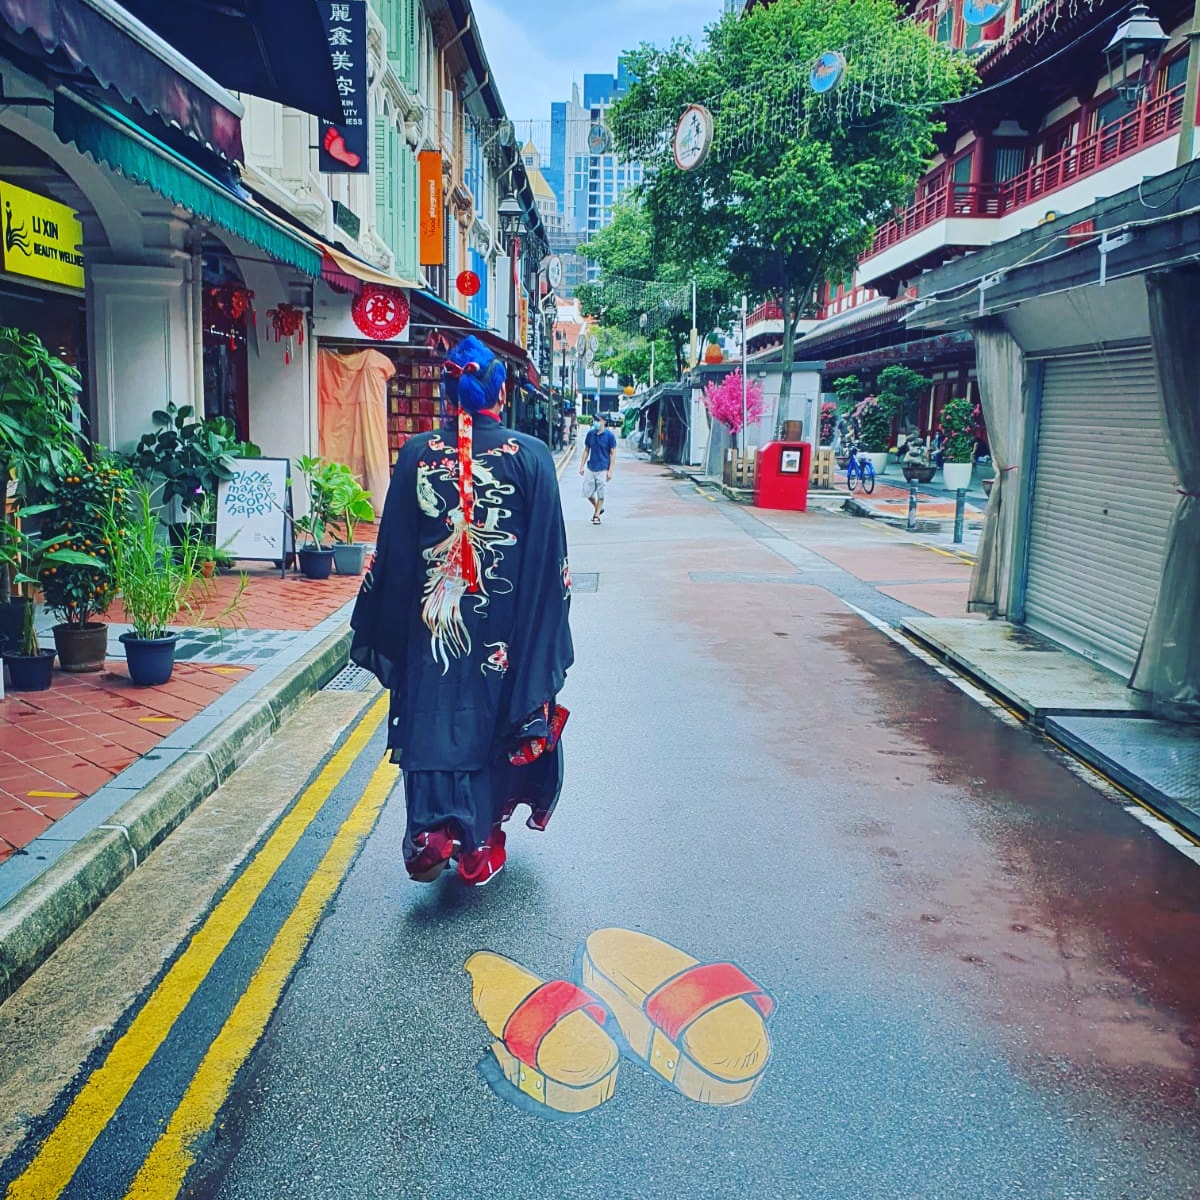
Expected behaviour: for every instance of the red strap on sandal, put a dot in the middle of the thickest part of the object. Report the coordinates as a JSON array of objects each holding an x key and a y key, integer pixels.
[
  {"x": 684, "y": 998},
  {"x": 540, "y": 1011}
]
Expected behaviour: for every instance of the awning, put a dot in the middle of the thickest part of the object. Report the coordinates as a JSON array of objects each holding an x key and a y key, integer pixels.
[
  {"x": 349, "y": 273},
  {"x": 271, "y": 48},
  {"x": 96, "y": 40},
  {"x": 117, "y": 142},
  {"x": 436, "y": 311}
]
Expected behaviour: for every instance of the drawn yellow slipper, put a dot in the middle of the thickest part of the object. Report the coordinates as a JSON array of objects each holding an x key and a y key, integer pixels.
[
  {"x": 551, "y": 1043},
  {"x": 697, "y": 1025}
]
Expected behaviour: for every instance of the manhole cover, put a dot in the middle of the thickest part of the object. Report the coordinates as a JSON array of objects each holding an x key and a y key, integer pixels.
[
  {"x": 350, "y": 679},
  {"x": 585, "y": 581}
]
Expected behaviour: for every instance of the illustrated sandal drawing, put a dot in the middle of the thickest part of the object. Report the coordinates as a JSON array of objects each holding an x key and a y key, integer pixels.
[
  {"x": 551, "y": 1044},
  {"x": 700, "y": 1026}
]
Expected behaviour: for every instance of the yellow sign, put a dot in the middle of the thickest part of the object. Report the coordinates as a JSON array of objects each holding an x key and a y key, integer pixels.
[{"x": 42, "y": 238}]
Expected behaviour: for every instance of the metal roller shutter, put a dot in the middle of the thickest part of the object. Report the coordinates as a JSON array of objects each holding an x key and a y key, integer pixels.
[{"x": 1103, "y": 494}]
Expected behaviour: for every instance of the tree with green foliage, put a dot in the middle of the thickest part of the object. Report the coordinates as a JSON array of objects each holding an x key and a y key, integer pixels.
[
  {"x": 794, "y": 185},
  {"x": 627, "y": 356},
  {"x": 902, "y": 389},
  {"x": 627, "y": 256}
]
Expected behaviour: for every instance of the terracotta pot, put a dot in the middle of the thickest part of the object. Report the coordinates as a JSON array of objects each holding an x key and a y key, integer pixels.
[{"x": 81, "y": 647}]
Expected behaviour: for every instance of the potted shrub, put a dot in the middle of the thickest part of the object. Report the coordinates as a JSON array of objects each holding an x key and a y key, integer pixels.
[
  {"x": 958, "y": 424},
  {"x": 156, "y": 581},
  {"x": 314, "y": 557},
  {"x": 349, "y": 504},
  {"x": 874, "y": 419},
  {"x": 186, "y": 460},
  {"x": 39, "y": 413},
  {"x": 80, "y": 592},
  {"x": 30, "y": 558}
]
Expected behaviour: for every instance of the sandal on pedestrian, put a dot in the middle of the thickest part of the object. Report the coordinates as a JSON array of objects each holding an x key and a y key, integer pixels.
[
  {"x": 698, "y": 1026},
  {"x": 551, "y": 1044},
  {"x": 595, "y": 520},
  {"x": 435, "y": 849}
]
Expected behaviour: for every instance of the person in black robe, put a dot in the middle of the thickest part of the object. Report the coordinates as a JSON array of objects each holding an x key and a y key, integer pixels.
[{"x": 463, "y": 616}]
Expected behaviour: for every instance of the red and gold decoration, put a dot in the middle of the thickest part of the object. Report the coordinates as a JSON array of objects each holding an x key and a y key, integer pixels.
[
  {"x": 226, "y": 307},
  {"x": 380, "y": 312},
  {"x": 467, "y": 283},
  {"x": 287, "y": 322}
]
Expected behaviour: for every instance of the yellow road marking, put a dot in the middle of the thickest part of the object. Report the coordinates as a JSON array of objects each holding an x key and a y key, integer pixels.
[
  {"x": 53, "y": 795},
  {"x": 68, "y": 1143},
  {"x": 227, "y": 670},
  {"x": 163, "y": 1172},
  {"x": 158, "y": 719}
]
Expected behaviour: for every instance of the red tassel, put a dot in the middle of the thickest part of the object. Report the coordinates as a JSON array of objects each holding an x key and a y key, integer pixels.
[{"x": 468, "y": 569}]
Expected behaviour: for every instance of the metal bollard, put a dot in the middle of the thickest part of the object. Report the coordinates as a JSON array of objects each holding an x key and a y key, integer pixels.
[
  {"x": 960, "y": 500},
  {"x": 912, "y": 505}
]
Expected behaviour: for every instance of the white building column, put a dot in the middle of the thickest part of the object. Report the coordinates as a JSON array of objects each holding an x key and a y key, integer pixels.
[{"x": 141, "y": 347}]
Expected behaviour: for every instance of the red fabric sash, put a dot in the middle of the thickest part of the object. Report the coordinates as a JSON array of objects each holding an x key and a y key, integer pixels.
[
  {"x": 540, "y": 1011},
  {"x": 685, "y": 997},
  {"x": 464, "y": 554}
]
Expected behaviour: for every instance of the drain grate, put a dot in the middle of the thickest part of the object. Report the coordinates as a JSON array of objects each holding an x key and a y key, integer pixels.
[{"x": 350, "y": 679}]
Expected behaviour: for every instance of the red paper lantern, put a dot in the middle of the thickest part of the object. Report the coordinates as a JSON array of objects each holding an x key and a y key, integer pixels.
[
  {"x": 467, "y": 283},
  {"x": 380, "y": 312}
]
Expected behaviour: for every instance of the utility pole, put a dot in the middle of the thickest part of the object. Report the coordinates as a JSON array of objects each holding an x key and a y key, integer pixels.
[
  {"x": 694, "y": 340},
  {"x": 744, "y": 404},
  {"x": 1187, "y": 129}
]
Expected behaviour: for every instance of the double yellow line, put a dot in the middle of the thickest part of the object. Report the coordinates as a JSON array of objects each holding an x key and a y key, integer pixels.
[{"x": 163, "y": 1172}]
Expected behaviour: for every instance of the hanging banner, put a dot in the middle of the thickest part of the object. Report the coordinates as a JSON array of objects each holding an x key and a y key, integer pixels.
[
  {"x": 433, "y": 209},
  {"x": 42, "y": 238},
  {"x": 343, "y": 149}
]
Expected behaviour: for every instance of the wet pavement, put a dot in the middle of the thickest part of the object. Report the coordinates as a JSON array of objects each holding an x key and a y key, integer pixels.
[
  {"x": 970, "y": 1004},
  {"x": 984, "y": 969}
]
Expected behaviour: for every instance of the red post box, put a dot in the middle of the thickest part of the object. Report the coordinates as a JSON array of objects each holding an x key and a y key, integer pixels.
[{"x": 781, "y": 478}]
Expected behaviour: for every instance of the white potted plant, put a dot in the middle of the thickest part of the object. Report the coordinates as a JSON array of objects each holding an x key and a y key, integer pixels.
[{"x": 958, "y": 425}]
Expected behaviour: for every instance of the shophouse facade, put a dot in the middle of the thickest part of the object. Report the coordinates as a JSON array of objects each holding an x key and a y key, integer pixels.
[
  {"x": 1035, "y": 270},
  {"x": 207, "y": 257}
]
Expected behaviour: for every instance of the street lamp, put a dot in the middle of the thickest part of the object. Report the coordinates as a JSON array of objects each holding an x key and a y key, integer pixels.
[
  {"x": 510, "y": 215},
  {"x": 1139, "y": 34}
]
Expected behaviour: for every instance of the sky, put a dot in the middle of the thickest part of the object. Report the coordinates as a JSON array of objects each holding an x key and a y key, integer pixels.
[{"x": 537, "y": 47}]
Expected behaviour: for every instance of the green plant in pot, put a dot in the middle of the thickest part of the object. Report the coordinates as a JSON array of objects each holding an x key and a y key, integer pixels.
[
  {"x": 79, "y": 593},
  {"x": 39, "y": 418},
  {"x": 320, "y": 483},
  {"x": 31, "y": 558},
  {"x": 187, "y": 460},
  {"x": 349, "y": 505},
  {"x": 958, "y": 426},
  {"x": 157, "y": 582}
]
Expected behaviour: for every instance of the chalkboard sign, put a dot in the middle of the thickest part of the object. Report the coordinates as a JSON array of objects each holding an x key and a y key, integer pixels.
[{"x": 253, "y": 510}]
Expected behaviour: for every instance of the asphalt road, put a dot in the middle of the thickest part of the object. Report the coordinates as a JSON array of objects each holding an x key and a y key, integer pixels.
[{"x": 984, "y": 971}]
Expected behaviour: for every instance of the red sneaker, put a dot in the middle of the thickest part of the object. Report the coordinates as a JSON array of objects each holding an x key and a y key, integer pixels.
[
  {"x": 435, "y": 849},
  {"x": 477, "y": 867}
]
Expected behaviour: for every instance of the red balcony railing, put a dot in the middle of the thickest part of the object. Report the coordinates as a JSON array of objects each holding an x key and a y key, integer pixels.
[
  {"x": 770, "y": 310},
  {"x": 1150, "y": 122}
]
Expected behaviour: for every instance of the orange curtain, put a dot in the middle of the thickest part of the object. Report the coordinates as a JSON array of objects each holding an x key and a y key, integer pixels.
[{"x": 352, "y": 415}]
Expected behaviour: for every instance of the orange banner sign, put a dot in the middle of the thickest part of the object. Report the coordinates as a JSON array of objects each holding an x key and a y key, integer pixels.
[{"x": 433, "y": 210}]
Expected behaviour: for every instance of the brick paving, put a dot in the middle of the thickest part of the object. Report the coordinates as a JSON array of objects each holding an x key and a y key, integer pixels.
[{"x": 58, "y": 747}]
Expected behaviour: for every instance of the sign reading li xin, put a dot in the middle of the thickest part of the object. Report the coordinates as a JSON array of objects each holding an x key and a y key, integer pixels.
[
  {"x": 42, "y": 238},
  {"x": 343, "y": 148}
]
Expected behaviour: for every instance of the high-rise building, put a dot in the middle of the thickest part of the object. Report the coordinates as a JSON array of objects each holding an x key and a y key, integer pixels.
[{"x": 583, "y": 172}]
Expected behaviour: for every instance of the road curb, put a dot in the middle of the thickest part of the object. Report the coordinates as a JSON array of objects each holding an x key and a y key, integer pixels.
[{"x": 45, "y": 913}]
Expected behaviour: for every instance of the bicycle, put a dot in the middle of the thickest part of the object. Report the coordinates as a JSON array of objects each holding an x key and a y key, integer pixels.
[{"x": 859, "y": 470}]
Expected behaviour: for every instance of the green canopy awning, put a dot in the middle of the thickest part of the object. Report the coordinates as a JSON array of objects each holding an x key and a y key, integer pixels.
[{"x": 117, "y": 142}]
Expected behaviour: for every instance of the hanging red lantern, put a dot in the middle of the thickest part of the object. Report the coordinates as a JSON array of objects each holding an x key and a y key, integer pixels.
[
  {"x": 380, "y": 312},
  {"x": 468, "y": 283},
  {"x": 287, "y": 322},
  {"x": 228, "y": 305}
]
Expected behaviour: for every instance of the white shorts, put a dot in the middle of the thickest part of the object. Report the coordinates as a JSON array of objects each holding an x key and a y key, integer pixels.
[{"x": 593, "y": 484}]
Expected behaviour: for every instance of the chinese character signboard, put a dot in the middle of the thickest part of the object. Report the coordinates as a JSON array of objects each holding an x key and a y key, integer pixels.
[
  {"x": 42, "y": 238},
  {"x": 343, "y": 148},
  {"x": 432, "y": 210}
]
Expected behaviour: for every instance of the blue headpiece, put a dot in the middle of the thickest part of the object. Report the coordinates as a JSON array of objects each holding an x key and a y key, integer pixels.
[{"x": 472, "y": 376}]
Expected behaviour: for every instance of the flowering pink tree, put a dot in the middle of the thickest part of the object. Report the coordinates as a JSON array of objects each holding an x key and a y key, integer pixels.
[{"x": 724, "y": 401}]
